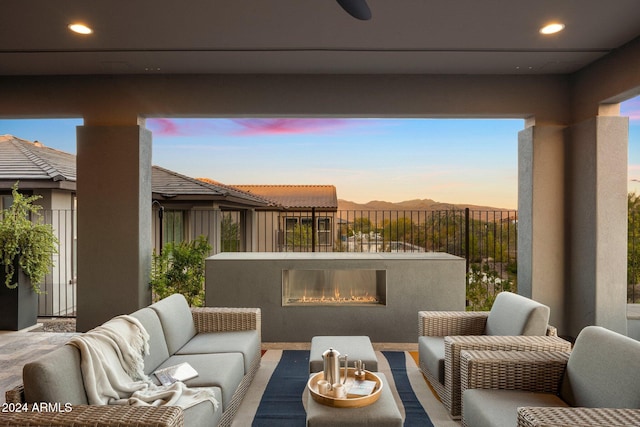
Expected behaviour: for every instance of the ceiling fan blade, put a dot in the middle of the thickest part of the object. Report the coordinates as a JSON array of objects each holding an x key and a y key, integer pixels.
[{"x": 359, "y": 9}]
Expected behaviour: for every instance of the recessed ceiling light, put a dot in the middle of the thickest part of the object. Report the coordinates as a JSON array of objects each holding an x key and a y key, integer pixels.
[
  {"x": 80, "y": 29},
  {"x": 552, "y": 28}
]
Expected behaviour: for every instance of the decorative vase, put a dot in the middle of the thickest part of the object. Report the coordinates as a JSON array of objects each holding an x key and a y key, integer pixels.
[{"x": 19, "y": 306}]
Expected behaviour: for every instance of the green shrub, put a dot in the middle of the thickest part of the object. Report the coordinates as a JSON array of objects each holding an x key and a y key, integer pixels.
[
  {"x": 483, "y": 284},
  {"x": 179, "y": 268}
]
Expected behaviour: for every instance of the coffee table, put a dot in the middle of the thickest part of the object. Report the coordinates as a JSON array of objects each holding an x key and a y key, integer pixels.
[
  {"x": 356, "y": 347},
  {"x": 382, "y": 413}
]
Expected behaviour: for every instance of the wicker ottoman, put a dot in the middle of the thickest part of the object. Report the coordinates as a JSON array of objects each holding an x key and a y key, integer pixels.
[
  {"x": 356, "y": 347},
  {"x": 383, "y": 413}
]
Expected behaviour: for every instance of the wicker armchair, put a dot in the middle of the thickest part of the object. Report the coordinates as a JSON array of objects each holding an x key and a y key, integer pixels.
[
  {"x": 597, "y": 384},
  {"x": 584, "y": 417},
  {"x": 206, "y": 319},
  {"x": 91, "y": 415},
  {"x": 514, "y": 323}
]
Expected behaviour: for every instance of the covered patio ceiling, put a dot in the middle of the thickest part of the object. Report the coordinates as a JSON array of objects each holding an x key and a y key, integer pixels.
[
  {"x": 314, "y": 37},
  {"x": 283, "y": 58}
]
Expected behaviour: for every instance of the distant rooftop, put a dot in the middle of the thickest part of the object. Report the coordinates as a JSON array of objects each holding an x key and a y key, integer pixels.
[
  {"x": 38, "y": 166},
  {"x": 297, "y": 196},
  {"x": 168, "y": 184}
]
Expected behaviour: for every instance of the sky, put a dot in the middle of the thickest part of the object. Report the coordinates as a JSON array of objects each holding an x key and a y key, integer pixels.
[{"x": 462, "y": 161}]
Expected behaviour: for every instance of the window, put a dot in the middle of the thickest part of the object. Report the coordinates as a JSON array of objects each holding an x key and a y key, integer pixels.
[
  {"x": 173, "y": 226},
  {"x": 6, "y": 202},
  {"x": 298, "y": 231},
  {"x": 324, "y": 231}
]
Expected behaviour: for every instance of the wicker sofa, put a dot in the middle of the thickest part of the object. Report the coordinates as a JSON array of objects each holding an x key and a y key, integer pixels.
[
  {"x": 514, "y": 323},
  {"x": 222, "y": 344},
  {"x": 597, "y": 384}
]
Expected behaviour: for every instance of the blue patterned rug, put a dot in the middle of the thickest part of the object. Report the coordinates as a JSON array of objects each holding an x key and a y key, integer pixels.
[
  {"x": 415, "y": 415},
  {"x": 281, "y": 403}
]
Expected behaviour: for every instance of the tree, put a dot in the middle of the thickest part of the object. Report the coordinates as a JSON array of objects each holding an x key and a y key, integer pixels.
[
  {"x": 299, "y": 236},
  {"x": 362, "y": 225},
  {"x": 401, "y": 229}
]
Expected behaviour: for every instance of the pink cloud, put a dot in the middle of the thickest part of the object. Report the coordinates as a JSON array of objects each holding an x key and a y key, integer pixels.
[
  {"x": 163, "y": 127},
  {"x": 631, "y": 109},
  {"x": 244, "y": 126},
  {"x": 180, "y": 127},
  {"x": 286, "y": 126}
]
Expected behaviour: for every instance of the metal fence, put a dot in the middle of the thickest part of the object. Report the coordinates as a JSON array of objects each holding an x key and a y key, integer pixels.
[
  {"x": 60, "y": 285},
  {"x": 486, "y": 239}
]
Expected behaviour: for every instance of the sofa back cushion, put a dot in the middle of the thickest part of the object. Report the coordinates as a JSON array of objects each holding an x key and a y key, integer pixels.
[
  {"x": 603, "y": 371},
  {"x": 55, "y": 377},
  {"x": 158, "y": 350},
  {"x": 177, "y": 321},
  {"x": 513, "y": 314}
]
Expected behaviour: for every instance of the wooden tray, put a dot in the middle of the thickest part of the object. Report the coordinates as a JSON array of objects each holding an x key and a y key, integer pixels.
[{"x": 348, "y": 402}]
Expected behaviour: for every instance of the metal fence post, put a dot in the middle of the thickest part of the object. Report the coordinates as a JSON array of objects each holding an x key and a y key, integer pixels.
[{"x": 467, "y": 252}]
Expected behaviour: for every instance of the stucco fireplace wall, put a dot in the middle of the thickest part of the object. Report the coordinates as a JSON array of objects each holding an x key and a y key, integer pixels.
[{"x": 414, "y": 282}]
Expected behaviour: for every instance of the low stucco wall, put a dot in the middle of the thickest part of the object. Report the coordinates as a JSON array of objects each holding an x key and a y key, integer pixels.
[{"x": 420, "y": 281}]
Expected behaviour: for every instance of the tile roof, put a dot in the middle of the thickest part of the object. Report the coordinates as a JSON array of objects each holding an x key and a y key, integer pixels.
[
  {"x": 169, "y": 184},
  {"x": 297, "y": 196},
  {"x": 25, "y": 160}
]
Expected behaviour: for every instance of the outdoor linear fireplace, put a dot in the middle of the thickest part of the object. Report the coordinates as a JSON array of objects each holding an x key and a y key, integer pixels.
[
  {"x": 302, "y": 295},
  {"x": 335, "y": 287}
]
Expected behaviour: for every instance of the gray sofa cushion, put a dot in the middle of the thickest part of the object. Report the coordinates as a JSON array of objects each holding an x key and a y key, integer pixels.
[
  {"x": 603, "y": 370},
  {"x": 499, "y": 408},
  {"x": 224, "y": 370},
  {"x": 513, "y": 314},
  {"x": 203, "y": 414},
  {"x": 431, "y": 351},
  {"x": 55, "y": 378},
  {"x": 158, "y": 351},
  {"x": 177, "y": 321},
  {"x": 245, "y": 342}
]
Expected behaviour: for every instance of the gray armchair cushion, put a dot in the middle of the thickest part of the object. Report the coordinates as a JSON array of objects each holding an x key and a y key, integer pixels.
[
  {"x": 177, "y": 321},
  {"x": 499, "y": 408},
  {"x": 158, "y": 351},
  {"x": 55, "y": 378},
  {"x": 603, "y": 370},
  {"x": 431, "y": 353},
  {"x": 513, "y": 314}
]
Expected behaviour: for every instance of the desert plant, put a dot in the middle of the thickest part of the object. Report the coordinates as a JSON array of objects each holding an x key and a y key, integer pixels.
[
  {"x": 179, "y": 268},
  {"x": 25, "y": 241}
]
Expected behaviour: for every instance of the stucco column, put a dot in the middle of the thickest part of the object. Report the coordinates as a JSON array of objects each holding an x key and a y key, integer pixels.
[
  {"x": 114, "y": 222},
  {"x": 541, "y": 206},
  {"x": 597, "y": 224}
]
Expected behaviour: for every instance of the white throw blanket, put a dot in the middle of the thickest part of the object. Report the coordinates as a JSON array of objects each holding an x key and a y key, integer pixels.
[{"x": 113, "y": 368}]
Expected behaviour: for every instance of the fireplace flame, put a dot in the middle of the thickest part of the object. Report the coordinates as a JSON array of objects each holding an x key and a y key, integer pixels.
[{"x": 336, "y": 298}]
